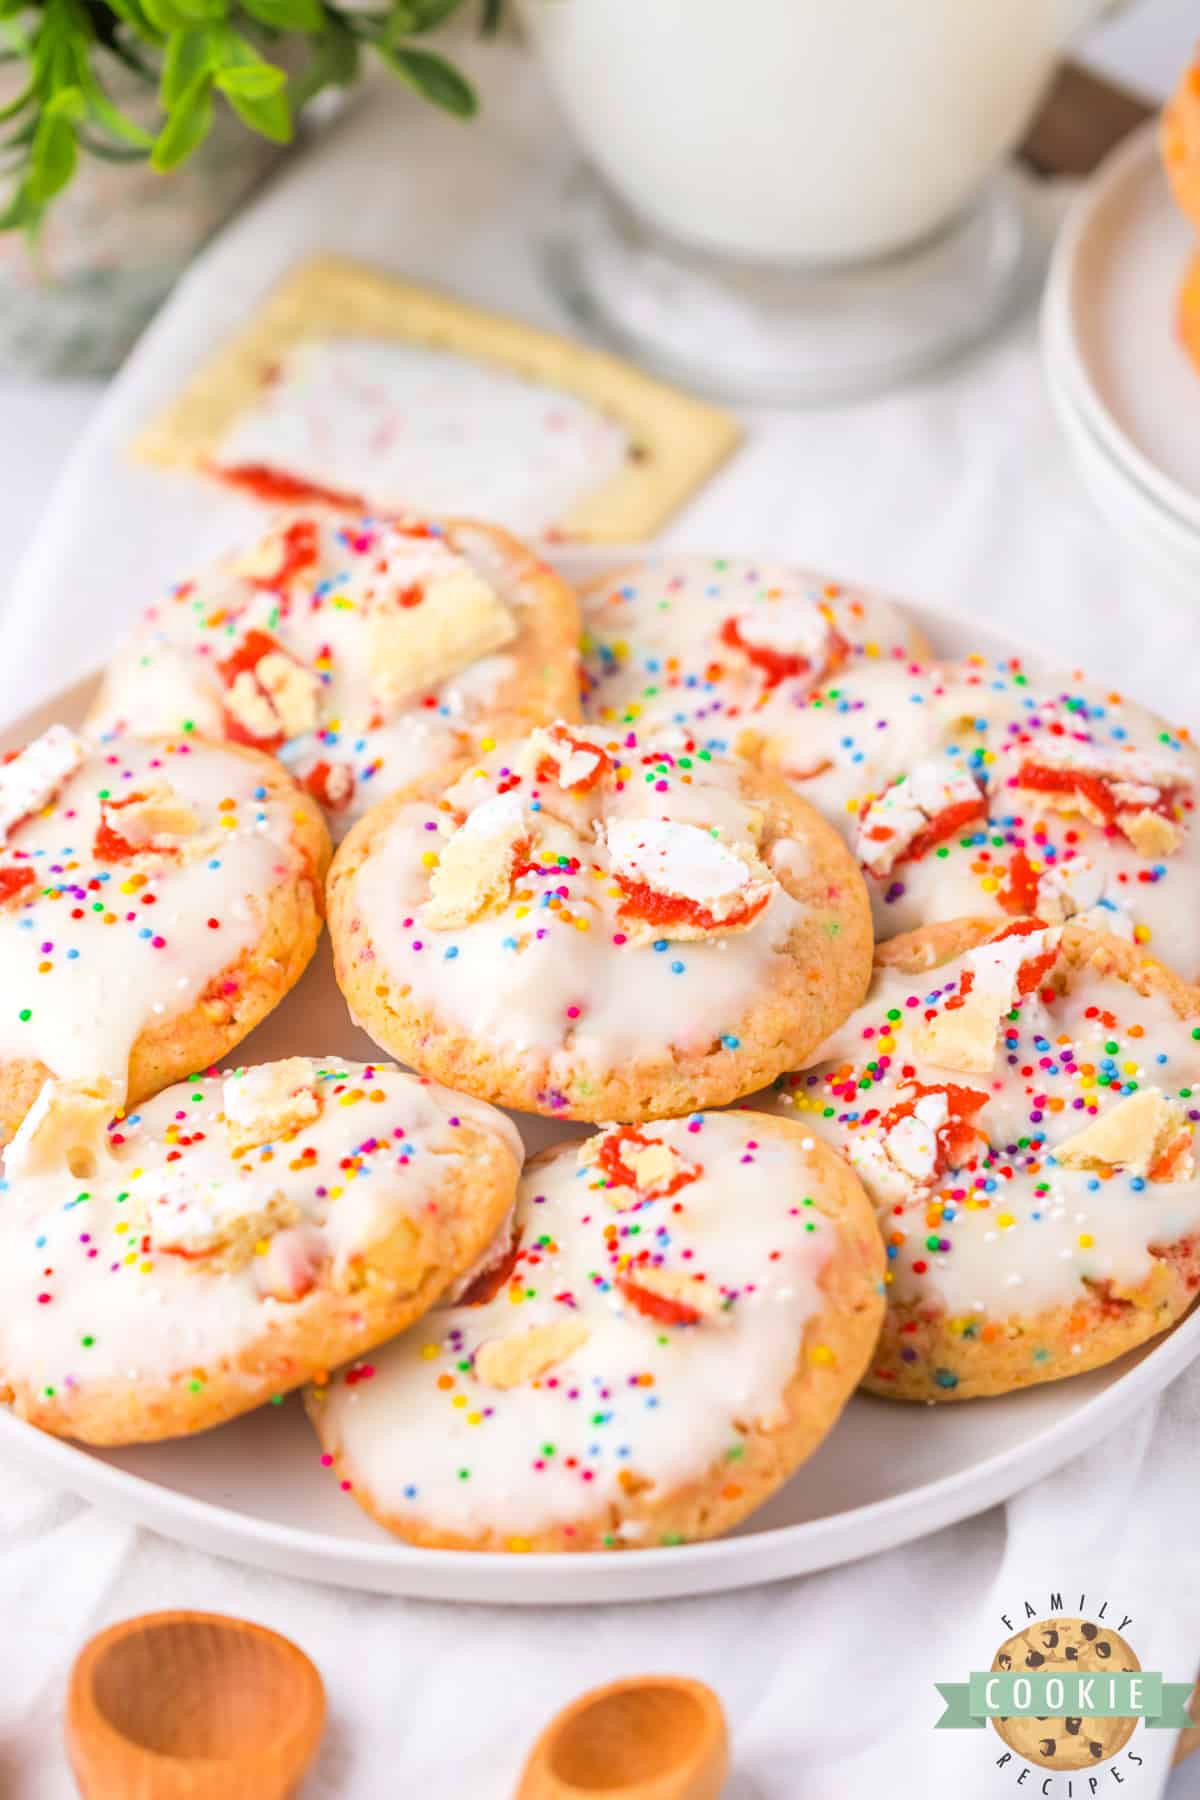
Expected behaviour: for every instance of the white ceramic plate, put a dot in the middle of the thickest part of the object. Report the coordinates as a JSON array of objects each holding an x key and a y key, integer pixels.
[
  {"x": 1169, "y": 545},
  {"x": 254, "y": 1490},
  {"x": 1112, "y": 299}
]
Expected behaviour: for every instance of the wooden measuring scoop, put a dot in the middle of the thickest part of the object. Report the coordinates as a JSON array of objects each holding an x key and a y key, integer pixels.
[
  {"x": 192, "y": 1706},
  {"x": 650, "y": 1737}
]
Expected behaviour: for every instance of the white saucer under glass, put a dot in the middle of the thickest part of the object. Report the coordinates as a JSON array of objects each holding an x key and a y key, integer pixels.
[{"x": 801, "y": 333}]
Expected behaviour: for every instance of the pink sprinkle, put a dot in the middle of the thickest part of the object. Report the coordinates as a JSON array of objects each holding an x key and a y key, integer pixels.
[
  {"x": 326, "y": 1461},
  {"x": 619, "y": 937},
  {"x": 159, "y": 942},
  {"x": 44, "y": 1299},
  {"x": 572, "y": 1012}
]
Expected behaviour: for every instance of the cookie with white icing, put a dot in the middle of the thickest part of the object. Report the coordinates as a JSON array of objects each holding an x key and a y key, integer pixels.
[
  {"x": 682, "y": 1314},
  {"x": 232, "y": 1238},
  {"x": 584, "y": 925},
  {"x": 1042, "y": 797},
  {"x": 362, "y": 652},
  {"x": 157, "y": 898},
  {"x": 730, "y": 647},
  {"x": 1022, "y": 1113}
]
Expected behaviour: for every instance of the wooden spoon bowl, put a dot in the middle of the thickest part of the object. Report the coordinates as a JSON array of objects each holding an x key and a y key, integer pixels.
[
  {"x": 650, "y": 1737},
  {"x": 192, "y": 1706}
]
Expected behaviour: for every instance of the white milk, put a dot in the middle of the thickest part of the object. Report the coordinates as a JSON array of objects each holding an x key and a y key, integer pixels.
[{"x": 798, "y": 130}]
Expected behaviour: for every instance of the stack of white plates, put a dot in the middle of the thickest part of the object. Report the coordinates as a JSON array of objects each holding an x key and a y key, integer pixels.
[{"x": 1126, "y": 393}]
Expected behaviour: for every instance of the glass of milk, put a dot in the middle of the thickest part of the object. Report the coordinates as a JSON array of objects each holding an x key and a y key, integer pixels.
[{"x": 795, "y": 198}]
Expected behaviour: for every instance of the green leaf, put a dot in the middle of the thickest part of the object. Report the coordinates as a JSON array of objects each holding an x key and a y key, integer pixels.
[
  {"x": 429, "y": 14},
  {"x": 101, "y": 110},
  {"x": 167, "y": 16},
  {"x": 434, "y": 78},
  {"x": 201, "y": 12},
  {"x": 67, "y": 104},
  {"x": 131, "y": 13},
  {"x": 270, "y": 115},
  {"x": 18, "y": 105},
  {"x": 251, "y": 81},
  {"x": 187, "y": 57},
  {"x": 288, "y": 15},
  {"x": 334, "y": 63},
  {"x": 188, "y": 125},
  {"x": 21, "y": 211},
  {"x": 53, "y": 158}
]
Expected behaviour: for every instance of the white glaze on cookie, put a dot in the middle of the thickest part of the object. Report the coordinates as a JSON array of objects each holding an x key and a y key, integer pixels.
[
  {"x": 549, "y": 951},
  {"x": 1057, "y": 853},
  {"x": 97, "y": 944},
  {"x": 633, "y": 1333},
  {"x": 985, "y": 1224},
  {"x": 724, "y": 644},
  {"x": 401, "y": 427},
  {"x": 180, "y": 1250},
  {"x": 332, "y": 600}
]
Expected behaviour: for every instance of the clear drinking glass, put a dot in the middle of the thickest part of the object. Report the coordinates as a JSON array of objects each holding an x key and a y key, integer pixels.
[{"x": 795, "y": 199}]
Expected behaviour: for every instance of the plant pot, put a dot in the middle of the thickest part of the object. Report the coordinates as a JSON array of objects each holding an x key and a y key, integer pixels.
[{"x": 114, "y": 243}]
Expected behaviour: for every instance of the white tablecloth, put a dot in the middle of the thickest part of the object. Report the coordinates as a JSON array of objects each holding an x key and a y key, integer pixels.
[{"x": 958, "y": 489}]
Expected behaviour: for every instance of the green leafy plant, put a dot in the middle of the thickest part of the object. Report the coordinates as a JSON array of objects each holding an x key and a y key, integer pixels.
[{"x": 199, "y": 54}]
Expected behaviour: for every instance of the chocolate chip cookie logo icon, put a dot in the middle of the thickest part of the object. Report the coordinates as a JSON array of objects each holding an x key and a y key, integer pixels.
[
  {"x": 1064, "y": 1694},
  {"x": 1059, "y": 1646}
]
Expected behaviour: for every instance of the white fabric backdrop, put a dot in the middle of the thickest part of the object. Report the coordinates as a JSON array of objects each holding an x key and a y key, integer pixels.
[{"x": 959, "y": 490}]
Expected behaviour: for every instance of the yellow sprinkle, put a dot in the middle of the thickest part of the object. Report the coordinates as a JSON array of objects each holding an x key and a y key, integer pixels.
[
  {"x": 475, "y": 1418},
  {"x": 1086, "y": 1240},
  {"x": 122, "y": 1225},
  {"x": 429, "y": 1351},
  {"x": 518, "y": 1544},
  {"x": 132, "y": 1257},
  {"x": 146, "y": 1266},
  {"x": 228, "y": 824},
  {"x": 459, "y": 1400},
  {"x": 1004, "y": 1220},
  {"x": 262, "y": 1246},
  {"x": 583, "y": 925},
  {"x": 431, "y": 859},
  {"x": 1141, "y": 934},
  {"x": 821, "y": 1353},
  {"x": 487, "y": 743},
  {"x": 989, "y": 884}
]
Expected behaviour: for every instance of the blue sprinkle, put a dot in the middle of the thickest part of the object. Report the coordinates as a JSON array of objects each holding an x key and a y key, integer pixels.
[
  {"x": 677, "y": 968},
  {"x": 451, "y": 953},
  {"x": 730, "y": 1042},
  {"x": 660, "y": 944}
]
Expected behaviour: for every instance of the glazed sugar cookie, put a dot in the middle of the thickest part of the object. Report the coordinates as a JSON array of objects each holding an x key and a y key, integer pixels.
[
  {"x": 1188, "y": 317},
  {"x": 1066, "y": 1645},
  {"x": 157, "y": 898},
  {"x": 1180, "y": 141},
  {"x": 972, "y": 789},
  {"x": 727, "y": 646},
  {"x": 1051, "y": 799},
  {"x": 1022, "y": 1114},
  {"x": 586, "y": 926},
  {"x": 363, "y": 653},
  {"x": 682, "y": 1314},
  {"x": 231, "y": 1239}
]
